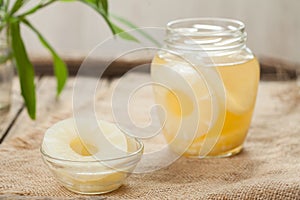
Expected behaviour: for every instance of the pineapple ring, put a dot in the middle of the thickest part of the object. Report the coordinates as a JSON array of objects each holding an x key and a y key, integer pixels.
[{"x": 63, "y": 141}]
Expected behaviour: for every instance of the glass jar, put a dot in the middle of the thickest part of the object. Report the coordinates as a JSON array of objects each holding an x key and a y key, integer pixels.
[
  {"x": 206, "y": 80},
  {"x": 6, "y": 74}
]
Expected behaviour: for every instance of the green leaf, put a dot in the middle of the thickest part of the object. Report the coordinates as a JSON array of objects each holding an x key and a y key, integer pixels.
[
  {"x": 120, "y": 32},
  {"x": 25, "y": 69},
  {"x": 17, "y": 5},
  {"x": 113, "y": 27},
  {"x": 90, "y": 2},
  {"x": 103, "y": 4},
  {"x": 60, "y": 68},
  {"x": 140, "y": 31},
  {"x": 35, "y": 9},
  {"x": 6, "y": 5},
  {"x": 94, "y": 5}
]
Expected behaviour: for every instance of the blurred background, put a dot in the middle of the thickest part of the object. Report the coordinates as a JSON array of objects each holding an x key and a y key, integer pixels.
[{"x": 73, "y": 29}]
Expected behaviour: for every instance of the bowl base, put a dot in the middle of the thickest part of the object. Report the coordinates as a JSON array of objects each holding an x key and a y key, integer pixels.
[{"x": 93, "y": 192}]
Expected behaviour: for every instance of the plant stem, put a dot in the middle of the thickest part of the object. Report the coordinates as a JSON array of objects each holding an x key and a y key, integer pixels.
[
  {"x": 7, "y": 5},
  {"x": 36, "y": 8},
  {"x": 106, "y": 19}
]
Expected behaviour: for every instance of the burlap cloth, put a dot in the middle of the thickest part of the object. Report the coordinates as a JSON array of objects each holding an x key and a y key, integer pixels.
[{"x": 268, "y": 168}]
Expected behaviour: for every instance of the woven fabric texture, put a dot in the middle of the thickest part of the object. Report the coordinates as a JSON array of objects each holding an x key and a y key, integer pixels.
[{"x": 268, "y": 167}]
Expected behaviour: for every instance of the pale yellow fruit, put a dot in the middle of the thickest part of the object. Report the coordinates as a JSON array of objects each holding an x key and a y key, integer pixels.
[
  {"x": 80, "y": 158},
  {"x": 84, "y": 141},
  {"x": 193, "y": 99}
]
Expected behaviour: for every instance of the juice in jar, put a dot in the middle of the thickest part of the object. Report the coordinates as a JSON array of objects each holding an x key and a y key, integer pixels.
[{"x": 189, "y": 105}]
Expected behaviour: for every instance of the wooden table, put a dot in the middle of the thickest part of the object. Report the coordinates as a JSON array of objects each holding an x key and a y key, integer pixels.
[{"x": 278, "y": 102}]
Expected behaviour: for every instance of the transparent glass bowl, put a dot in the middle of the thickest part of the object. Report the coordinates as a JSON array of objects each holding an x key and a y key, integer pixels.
[{"x": 97, "y": 176}]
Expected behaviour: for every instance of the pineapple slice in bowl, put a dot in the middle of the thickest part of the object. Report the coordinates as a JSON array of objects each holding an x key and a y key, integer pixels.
[{"x": 84, "y": 164}]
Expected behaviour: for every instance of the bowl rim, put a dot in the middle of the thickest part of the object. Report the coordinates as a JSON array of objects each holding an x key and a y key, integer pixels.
[{"x": 138, "y": 151}]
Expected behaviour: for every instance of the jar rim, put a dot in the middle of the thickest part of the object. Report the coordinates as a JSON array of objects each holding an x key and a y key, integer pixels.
[{"x": 205, "y": 26}]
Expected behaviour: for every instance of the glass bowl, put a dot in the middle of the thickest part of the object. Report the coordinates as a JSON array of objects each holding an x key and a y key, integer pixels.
[{"x": 97, "y": 176}]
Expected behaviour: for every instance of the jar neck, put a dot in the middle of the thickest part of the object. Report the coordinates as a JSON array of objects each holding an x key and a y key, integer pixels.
[{"x": 211, "y": 36}]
